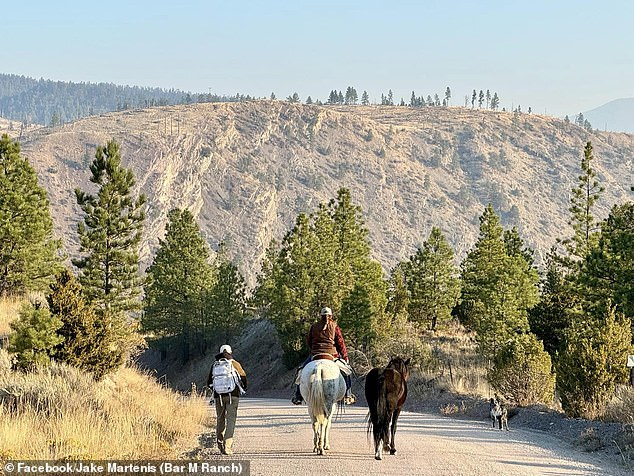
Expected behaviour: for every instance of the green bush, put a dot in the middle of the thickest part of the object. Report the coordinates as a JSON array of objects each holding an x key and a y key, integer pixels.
[
  {"x": 522, "y": 371},
  {"x": 592, "y": 363},
  {"x": 88, "y": 341},
  {"x": 34, "y": 336}
]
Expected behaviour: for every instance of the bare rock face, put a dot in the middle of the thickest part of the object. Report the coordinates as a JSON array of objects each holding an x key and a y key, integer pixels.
[{"x": 247, "y": 169}]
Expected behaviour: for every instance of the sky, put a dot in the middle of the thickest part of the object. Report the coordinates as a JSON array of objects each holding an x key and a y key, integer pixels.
[{"x": 558, "y": 57}]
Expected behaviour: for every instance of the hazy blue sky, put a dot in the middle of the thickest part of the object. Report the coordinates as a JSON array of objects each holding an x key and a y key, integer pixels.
[{"x": 559, "y": 57}]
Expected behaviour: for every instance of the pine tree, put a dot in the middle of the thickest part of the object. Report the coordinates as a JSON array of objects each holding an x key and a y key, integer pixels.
[
  {"x": 365, "y": 99},
  {"x": 495, "y": 102},
  {"x": 608, "y": 272},
  {"x": 432, "y": 281},
  {"x": 488, "y": 98},
  {"x": 319, "y": 263},
  {"x": 179, "y": 281},
  {"x": 498, "y": 289},
  {"x": 28, "y": 251},
  {"x": 87, "y": 339},
  {"x": 110, "y": 235},
  {"x": 447, "y": 95},
  {"x": 592, "y": 363},
  {"x": 34, "y": 336},
  {"x": 473, "y": 98},
  {"x": 583, "y": 199},
  {"x": 480, "y": 98},
  {"x": 227, "y": 302},
  {"x": 552, "y": 315},
  {"x": 390, "y": 98}
]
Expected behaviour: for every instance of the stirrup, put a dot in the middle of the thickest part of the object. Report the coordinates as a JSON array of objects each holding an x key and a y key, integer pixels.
[{"x": 350, "y": 399}]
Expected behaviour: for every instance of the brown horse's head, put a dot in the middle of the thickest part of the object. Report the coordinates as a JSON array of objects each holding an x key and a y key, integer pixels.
[{"x": 400, "y": 365}]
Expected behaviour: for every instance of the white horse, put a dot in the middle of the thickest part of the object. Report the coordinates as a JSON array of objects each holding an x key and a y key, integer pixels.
[{"x": 322, "y": 386}]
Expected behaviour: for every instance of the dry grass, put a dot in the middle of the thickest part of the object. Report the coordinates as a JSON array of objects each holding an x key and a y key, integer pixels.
[
  {"x": 454, "y": 366},
  {"x": 61, "y": 413},
  {"x": 9, "y": 308},
  {"x": 621, "y": 407}
]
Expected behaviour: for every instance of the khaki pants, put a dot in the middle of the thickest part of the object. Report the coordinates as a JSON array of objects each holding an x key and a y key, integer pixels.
[{"x": 226, "y": 413}]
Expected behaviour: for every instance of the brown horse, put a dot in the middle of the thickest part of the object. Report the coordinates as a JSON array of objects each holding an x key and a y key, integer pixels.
[{"x": 386, "y": 392}]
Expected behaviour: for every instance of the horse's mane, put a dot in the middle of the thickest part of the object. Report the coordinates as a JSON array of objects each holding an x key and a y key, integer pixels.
[{"x": 400, "y": 365}]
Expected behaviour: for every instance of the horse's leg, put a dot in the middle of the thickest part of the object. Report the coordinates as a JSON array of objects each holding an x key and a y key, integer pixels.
[
  {"x": 315, "y": 435},
  {"x": 395, "y": 415},
  {"x": 322, "y": 431},
  {"x": 327, "y": 430}
]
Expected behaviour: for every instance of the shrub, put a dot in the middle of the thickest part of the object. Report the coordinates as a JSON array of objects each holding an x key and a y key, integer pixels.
[
  {"x": 522, "y": 371},
  {"x": 592, "y": 363},
  {"x": 34, "y": 336},
  {"x": 87, "y": 340}
]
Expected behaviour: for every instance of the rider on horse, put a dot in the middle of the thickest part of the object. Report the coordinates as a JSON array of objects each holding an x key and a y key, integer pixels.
[{"x": 326, "y": 341}]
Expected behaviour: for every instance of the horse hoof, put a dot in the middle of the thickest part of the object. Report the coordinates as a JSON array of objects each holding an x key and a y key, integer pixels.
[
  {"x": 320, "y": 452},
  {"x": 393, "y": 452},
  {"x": 378, "y": 457},
  {"x": 326, "y": 448}
]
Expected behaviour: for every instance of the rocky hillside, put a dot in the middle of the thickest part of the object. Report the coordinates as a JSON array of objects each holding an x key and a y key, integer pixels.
[{"x": 247, "y": 169}]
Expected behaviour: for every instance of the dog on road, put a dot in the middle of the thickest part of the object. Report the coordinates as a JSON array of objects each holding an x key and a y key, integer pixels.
[{"x": 499, "y": 413}]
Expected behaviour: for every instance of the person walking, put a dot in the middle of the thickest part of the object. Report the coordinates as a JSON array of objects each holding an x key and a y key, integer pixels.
[{"x": 228, "y": 381}]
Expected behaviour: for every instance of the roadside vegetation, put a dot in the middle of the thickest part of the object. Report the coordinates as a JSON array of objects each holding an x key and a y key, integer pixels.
[{"x": 492, "y": 323}]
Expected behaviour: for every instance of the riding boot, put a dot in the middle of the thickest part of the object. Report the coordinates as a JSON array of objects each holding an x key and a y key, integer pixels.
[
  {"x": 297, "y": 398},
  {"x": 349, "y": 398}
]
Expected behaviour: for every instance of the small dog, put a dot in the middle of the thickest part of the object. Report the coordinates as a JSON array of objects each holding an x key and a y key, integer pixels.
[{"x": 499, "y": 413}]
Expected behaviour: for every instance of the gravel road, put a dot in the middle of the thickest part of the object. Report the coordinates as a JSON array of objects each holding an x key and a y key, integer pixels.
[{"x": 276, "y": 437}]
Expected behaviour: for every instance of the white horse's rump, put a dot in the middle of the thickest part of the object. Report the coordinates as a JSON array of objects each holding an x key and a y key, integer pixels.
[{"x": 322, "y": 386}]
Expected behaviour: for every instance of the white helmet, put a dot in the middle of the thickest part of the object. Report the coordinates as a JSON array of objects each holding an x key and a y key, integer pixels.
[
  {"x": 326, "y": 311},
  {"x": 225, "y": 348}
]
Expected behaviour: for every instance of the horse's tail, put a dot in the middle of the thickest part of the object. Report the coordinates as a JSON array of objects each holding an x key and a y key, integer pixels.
[
  {"x": 383, "y": 415},
  {"x": 376, "y": 395},
  {"x": 317, "y": 400}
]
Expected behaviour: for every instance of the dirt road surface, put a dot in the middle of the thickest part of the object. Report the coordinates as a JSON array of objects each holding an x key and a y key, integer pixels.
[{"x": 276, "y": 437}]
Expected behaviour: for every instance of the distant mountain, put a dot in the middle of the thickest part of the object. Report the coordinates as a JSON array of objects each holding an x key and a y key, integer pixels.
[
  {"x": 617, "y": 116},
  {"x": 246, "y": 170}
]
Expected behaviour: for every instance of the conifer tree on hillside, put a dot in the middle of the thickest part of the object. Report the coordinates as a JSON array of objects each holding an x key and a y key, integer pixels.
[
  {"x": 584, "y": 197},
  {"x": 591, "y": 363},
  {"x": 365, "y": 98},
  {"x": 608, "y": 274},
  {"x": 87, "y": 339},
  {"x": 432, "y": 281},
  {"x": 495, "y": 102},
  {"x": 552, "y": 315},
  {"x": 227, "y": 302},
  {"x": 473, "y": 98},
  {"x": 498, "y": 289},
  {"x": 447, "y": 95},
  {"x": 110, "y": 234},
  {"x": 34, "y": 337},
  {"x": 109, "y": 237},
  {"x": 28, "y": 251},
  {"x": 480, "y": 99},
  {"x": 319, "y": 263},
  {"x": 178, "y": 283}
]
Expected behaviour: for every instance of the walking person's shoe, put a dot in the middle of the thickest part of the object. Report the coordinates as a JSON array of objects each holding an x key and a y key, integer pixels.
[{"x": 228, "y": 444}]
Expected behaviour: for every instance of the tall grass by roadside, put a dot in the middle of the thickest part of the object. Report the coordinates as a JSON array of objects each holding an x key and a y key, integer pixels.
[
  {"x": 9, "y": 308},
  {"x": 454, "y": 365},
  {"x": 62, "y": 413}
]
